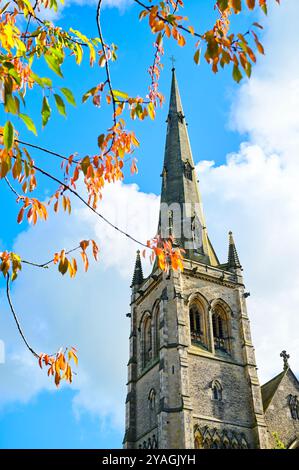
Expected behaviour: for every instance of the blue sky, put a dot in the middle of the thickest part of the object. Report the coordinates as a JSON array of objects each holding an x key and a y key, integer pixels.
[
  {"x": 250, "y": 192},
  {"x": 207, "y": 97}
]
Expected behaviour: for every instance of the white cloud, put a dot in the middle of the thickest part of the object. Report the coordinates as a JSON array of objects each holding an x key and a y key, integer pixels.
[
  {"x": 88, "y": 312},
  {"x": 255, "y": 194},
  {"x": 268, "y": 104},
  {"x": 257, "y": 198},
  {"x": 51, "y": 15}
]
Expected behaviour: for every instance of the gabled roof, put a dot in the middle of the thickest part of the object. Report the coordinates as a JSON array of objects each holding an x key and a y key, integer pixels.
[{"x": 268, "y": 389}]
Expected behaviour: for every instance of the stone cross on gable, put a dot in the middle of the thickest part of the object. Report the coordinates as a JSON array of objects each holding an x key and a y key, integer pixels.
[{"x": 285, "y": 357}]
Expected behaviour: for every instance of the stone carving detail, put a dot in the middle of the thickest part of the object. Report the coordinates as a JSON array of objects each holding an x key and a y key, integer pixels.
[
  {"x": 151, "y": 443},
  {"x": 285, "y": 356},
  {"x": 294, "y": 406},
  {"x": 188, "y": 170},
  {"x": 208, "y": 438}
]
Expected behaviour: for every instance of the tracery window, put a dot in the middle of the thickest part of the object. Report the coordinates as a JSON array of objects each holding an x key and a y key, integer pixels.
[
  {"x": 197, "y": 326},
  {"x": 152, "y": 407},
  {"x": 157, "y": 332},
  {"x": 152, "y": 399},
  {"x": 220, "y": 330},
  {"x": 147, "y": 341}
]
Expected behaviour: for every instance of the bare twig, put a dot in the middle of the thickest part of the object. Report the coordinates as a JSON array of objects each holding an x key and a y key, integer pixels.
[
  {"x": 47, "y": 263},
  {"x": 11, "y": 187},
  {"x": 107, "y": 69},
  {"x": 16, "y": 318},
  {"x": 42, "y": 149}
]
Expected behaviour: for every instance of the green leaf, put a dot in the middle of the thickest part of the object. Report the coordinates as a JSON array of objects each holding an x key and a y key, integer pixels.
[
  {"x": 15, "y": 75},
  {"x": 222, "y": 4},
  {"x": 44, "y": 82},
  {"x": 237, "y": 76},
  {"x": 63, "y": 266},
  {"x": 60, "y": 105},
  {"x": 69, "y": 95},
  {"x": 29, "y": 123},
  {"x": 12, "y": 104},
  {"x": 46, "y": 111},
  {"x": 120, "y": 94},
  {"x": 248, "y": 69},
  {"x": 85, "y": 164},
  {"x": 8, "y": 135},
  {"x": 53, "y": 64}
]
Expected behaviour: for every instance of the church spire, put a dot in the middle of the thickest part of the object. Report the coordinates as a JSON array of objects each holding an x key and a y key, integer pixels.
[
  {"x": 181, "y": 213},
  {"x": 138, "y": 274},
  {"x": 233, "y": 258}
]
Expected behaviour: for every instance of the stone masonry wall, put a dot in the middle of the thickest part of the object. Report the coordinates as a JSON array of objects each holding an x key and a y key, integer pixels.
[{"x": 278, "y": 415}]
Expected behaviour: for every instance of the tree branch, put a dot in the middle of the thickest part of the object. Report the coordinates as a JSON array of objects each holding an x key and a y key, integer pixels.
[
  {"x": 46, "y": 264},
  {"x": 108, "y": 76},
  {"x": 16, "y": 318},
  {"x": 179, "y": 26},
  {"x": 75, "y": 193},
  {"x": 12, "y": 188}
]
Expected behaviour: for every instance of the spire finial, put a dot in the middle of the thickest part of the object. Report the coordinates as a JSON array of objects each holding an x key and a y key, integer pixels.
[
  {"x": 138, "y": 274},
  {"x": 233, "y": 258},
  {"x": 172, "y": 58},
  {"x": 286, "y": 358}
]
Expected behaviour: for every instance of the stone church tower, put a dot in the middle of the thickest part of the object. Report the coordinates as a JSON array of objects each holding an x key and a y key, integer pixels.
[{"x": 192, "y": 380}]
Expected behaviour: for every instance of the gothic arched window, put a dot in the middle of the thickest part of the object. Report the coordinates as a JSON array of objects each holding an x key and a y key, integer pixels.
[
  {"x": 235, "y": 443},
  {"x": 147, "y": 341},
  {"x": 154, "y": 442},
  {"x": 152, "y": 406},
  {"x": 198, "y": 439},
  {"x": 244, "y": 444},
  {"x": 220, "y": 329},
  {"x": 152, "y": 399},
  {"x": 216, "y": 390},
  {"x": 157, "y": 332},
  {"x": 197, "y": 326}
]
